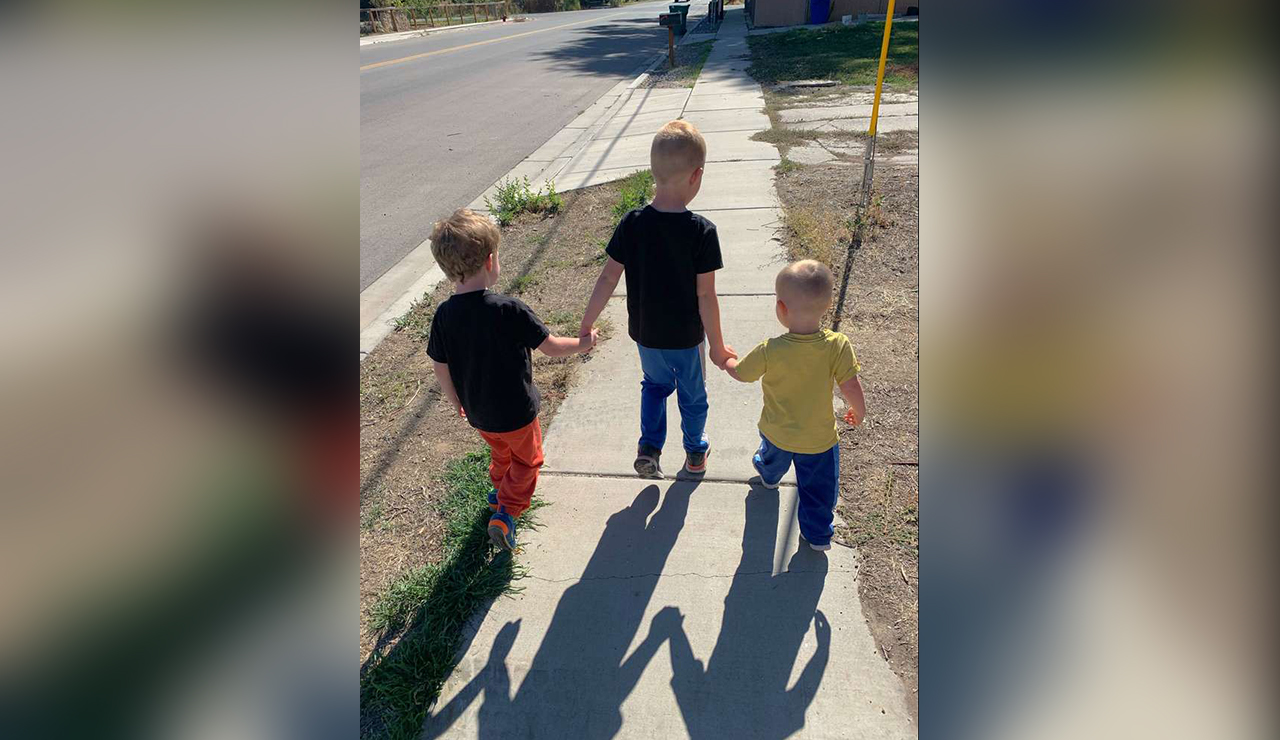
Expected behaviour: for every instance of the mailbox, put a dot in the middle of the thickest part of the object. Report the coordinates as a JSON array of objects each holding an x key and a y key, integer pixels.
[{"x": 669, "y": 19}]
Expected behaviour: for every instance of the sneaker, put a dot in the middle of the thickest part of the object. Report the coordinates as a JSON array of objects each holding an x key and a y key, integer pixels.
[
  {"x": 820, "y": 548},
  {"x": 647, "y": 462},
  {"x": 755, "y": 463},
  {"x": 696, "y": 462},
  {"x": 493, "y": 500},
  {"x": 502, "y": 530}
]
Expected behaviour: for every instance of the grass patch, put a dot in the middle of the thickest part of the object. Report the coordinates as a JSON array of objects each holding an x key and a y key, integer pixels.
[
  {"x": 417, "y": 319},
  {"x": 786, "y": 166},
  {"x": 371, "y": 517},
  {"x": 690, "y": 59},
  {"x": 820, "y": 234},
  {"x": 520, "y": 283},
  {"x": 428, "y": 607},
  {"x": 785, "y": 137},
  {"x": 517, "y": 196},
  {"x": 636, "y": 192},
  {"x": 897, "y": 525},
  {"x": 849, "y": 55}
]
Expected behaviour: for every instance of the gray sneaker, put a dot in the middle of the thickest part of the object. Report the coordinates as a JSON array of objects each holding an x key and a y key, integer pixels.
[
  {"x": 695, "y": 463},
  {"x": 647, "y": 462}
]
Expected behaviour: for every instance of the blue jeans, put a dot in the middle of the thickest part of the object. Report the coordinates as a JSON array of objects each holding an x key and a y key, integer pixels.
[
  {"x": 817, "y": 477},
  {"x": 679, "y": 371}
]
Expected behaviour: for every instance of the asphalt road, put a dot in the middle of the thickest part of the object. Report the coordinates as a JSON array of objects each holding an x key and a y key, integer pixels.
[{"x": 436, "y": 130}]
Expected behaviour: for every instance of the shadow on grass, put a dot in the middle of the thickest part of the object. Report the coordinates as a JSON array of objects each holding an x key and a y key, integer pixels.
[{"x": 428, "y": 609}]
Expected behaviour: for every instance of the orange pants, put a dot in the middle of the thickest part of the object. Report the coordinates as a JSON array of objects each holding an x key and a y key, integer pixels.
[{"x": 514, "y": 461}]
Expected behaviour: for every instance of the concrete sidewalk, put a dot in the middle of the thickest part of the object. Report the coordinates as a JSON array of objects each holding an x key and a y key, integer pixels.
[{"x": 677, "y": 608}]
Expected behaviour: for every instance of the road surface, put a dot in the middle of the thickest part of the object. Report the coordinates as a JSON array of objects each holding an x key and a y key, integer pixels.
[{"x": 445, "y": 115}]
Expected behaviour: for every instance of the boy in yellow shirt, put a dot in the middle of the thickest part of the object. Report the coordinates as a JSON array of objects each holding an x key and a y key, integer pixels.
[{"x": 797, "y": 423}]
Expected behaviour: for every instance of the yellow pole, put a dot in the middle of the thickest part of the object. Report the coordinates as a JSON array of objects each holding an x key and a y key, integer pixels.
[{"x": 884, "y": 54}]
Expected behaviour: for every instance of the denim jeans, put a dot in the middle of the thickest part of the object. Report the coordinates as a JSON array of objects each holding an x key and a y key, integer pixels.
[
  {"x": 679, "y": 371},
  {"x": 817, "y": 477}
]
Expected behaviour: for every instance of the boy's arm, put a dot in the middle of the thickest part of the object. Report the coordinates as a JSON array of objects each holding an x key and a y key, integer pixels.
[
  {"x": 554, "y": 346},
  {"x": 605, "y": 285},
  {"x": 709, "y": 309},
  {"x": 851, "y": 389},
  {"x": 446, "y": 386}
]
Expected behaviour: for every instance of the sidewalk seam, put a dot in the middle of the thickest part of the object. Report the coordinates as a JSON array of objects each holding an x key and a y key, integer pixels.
[
  {"x": 738, "y": 574},
  {"x": 673, "y": 479}
]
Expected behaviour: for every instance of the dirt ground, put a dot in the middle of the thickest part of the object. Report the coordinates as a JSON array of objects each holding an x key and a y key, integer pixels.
[
  {"x": 689, "y": 61},
  {"x": 879, "y": 496},
  {"x": 408, "y": 432}
]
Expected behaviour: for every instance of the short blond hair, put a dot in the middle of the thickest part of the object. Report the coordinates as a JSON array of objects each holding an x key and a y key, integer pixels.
[
  {"x": 805, "y": 286},
  {"x": 678, "y": 149},
  {"x": 462, "y": 242}
]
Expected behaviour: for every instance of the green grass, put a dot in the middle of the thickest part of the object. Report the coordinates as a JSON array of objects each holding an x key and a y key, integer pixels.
[
  {"x": 517, "y": 196},
  {"x": 636, "y": 191},
  {"x": 371, "y": 516},
  {"x": 786, "y": 165},
  {"x": 520, "y": 283},
  {"x": 417, "y": 319},
  {"x": 899, "y": 525},
  {"x": 849, "y": 55},
  {"x": 691, "y": 58},
  {"x": 428, "y": 607}
]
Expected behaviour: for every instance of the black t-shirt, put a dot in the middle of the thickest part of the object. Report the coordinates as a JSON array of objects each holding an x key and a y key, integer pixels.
[
  {"x": 485, "y": 340},
  {"x": 663, "y": 254}
]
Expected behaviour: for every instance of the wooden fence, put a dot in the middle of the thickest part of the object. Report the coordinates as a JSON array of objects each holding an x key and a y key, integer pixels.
[{"x": 387, "y": 20}]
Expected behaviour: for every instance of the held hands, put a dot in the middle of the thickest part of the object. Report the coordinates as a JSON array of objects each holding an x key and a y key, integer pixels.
[
  {"x": 722, "y": 354},
  {"x": 587, "y": 338}
]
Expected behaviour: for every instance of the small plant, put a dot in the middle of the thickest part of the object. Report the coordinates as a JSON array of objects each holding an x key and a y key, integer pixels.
[
  {"x": 517, "y": 196},
  {"x": 520, "y": 283},
  {"x": 636, "y": 192},
  {"x": 787, "y": 166},
  {"x": 417, "y": 319},
  {"x": 371, "y": 517}
]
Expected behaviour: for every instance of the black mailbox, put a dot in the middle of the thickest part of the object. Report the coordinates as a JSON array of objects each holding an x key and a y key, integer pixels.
[{"x": 669, "y": 19}]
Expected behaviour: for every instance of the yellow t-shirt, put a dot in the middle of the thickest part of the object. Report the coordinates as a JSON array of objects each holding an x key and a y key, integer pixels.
[{"x": 798, "y": 372}]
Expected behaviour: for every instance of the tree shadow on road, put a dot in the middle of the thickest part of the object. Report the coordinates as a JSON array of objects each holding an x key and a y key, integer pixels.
[
  {"x": 617, "y": 47},
  {"x": 592, "y": 627},
  {"x": 742, "y": 690}
]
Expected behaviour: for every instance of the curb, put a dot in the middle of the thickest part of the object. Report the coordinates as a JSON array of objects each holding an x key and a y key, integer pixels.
[{"x": 378, "y": 329}]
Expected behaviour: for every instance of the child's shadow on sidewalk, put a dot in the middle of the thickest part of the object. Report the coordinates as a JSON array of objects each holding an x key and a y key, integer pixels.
[
  {"x": 742, "y": 690},
  {"x": 577, "y": 681}
]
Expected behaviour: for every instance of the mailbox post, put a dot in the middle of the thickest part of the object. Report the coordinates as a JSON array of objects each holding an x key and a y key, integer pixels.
[{"x": 670, "y": 20}]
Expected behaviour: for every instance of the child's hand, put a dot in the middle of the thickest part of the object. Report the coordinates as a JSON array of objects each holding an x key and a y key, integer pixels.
[
  {"x": 461, "y": 412},
  {"x": 730, "y": 365},
  {"x": 852, "y": 418}
]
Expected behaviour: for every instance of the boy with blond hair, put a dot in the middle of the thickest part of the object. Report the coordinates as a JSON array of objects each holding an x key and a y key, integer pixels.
[
  {"x": 480, "y": 346},
  {"x": 670, "y": 256},
  {"x": 797, "y": 424}
]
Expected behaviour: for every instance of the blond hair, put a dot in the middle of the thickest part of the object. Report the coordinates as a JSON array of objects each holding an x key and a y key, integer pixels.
[
  {"x": 462, "y": 243},
  {"x": 805, "y": 286},
  {"x": 678, "y": 149}
]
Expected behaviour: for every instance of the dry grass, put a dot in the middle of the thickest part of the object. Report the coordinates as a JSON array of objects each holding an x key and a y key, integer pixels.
[{"x": 818, "y": 233}]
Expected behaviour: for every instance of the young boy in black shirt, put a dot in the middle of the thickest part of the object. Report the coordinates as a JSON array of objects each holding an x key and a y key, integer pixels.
[
  {"x": 480, "y": 346},
  {"x": 670, "y": 256}
]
